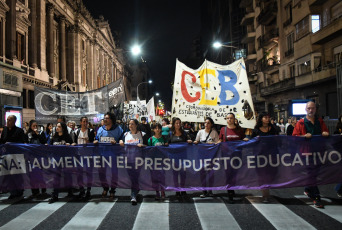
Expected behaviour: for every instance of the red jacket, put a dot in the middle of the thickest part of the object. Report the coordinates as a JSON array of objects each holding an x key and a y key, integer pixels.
[{"x": 300, "y": 130}]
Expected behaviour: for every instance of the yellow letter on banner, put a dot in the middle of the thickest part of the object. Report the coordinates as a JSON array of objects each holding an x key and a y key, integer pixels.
[{"x": 205, "y": 85}]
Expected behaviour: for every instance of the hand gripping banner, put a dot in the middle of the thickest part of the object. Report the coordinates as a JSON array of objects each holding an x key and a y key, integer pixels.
[
  {"x": 213, "y": 91},
  {"x": 265, "y": 162}
]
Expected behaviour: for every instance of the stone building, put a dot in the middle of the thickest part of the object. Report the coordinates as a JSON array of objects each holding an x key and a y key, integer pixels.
[
  {"x": 55, "y": 44},
  {"x": 294, "y": 52}
]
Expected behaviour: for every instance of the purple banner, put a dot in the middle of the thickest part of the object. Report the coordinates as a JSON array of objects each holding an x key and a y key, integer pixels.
[{"x": 265, "y": 162}]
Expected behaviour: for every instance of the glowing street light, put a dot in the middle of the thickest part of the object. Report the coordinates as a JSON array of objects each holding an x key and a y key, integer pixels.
[
  {"x": 217, "y": 45},
  {"x": 136, "y": 50}
]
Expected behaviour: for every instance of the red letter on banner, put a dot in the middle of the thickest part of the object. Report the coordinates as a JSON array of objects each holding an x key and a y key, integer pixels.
[{"x": 184, "y": 89}]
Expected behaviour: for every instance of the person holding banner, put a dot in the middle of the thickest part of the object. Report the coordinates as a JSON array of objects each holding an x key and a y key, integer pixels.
[
  {"x": 158, "y": 177},
  {"x": 82, "y": 136},
  {"x": 306, "y": 127},
  {"x": 33, "y": 136},
  {"x": 12, "y": 133},
  {"x": 207, "y": 135},
  {"x": 110, "y": 132},
  {"x": 338, "y": 130},
  {"x": 231, "y": 132},
  {"x": 48, "y": 132},
  {"x": 133, "y": 137},
  {"x": 177, "y": 135},
  {"x": 264, "y": 127},
  {"x": 61, "y": 137}
]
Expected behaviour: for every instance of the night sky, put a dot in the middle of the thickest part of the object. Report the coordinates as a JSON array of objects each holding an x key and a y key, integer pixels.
[{"x": 165, "y": 29}]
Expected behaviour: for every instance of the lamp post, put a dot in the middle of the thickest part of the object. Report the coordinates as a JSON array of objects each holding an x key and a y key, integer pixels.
[
  {"x": 218, "y": 45},
  {"x": 145, "y": 82}
]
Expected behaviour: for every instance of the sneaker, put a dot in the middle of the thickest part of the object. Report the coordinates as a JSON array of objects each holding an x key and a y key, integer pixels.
[
  {"x": 339, "y": 195},
  {"x": 134, "y": 201},
  {"x": 203, "y": 195},
  {"x": 318, "y": 203},
  {"x": 307, "y": 193},
  {"x": 53, "y": 199}
]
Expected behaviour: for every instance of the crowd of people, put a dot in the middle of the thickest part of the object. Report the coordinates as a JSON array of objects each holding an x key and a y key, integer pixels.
[{"x": 155, "y": 134}]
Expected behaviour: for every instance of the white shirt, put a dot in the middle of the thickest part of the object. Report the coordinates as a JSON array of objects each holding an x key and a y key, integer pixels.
[
  {"x": 202, "y": 136},
  {"x": 134, "y": 139},
  {"x": 82, "y": 137}
]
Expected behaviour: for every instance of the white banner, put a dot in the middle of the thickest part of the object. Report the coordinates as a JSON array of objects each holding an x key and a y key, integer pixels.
[
  {"x": 133, "y": 111},
  {"x": 150, "y": 110},
  {"x": 213, "y": 90}
]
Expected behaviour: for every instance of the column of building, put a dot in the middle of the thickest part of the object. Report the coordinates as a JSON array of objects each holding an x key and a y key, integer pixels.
[
  {"x": 50, "y": 42},
  {"x": 71, "y": 54},
  {"x": 90, "y": 54},
  {"x": 33, "y": 52},
  {"x": 41, "y": 38},
  {"x": 11, "y": 30},
  {"x": 62, "y": 50}
]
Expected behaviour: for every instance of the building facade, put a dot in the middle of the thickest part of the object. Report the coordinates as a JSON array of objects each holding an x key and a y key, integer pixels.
[
  {"x": 55, "y": 44},
  {"x": 294, "y": 51}
]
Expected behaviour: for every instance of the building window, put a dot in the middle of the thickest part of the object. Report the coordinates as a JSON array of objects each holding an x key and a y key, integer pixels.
[
  {"x": 336, "y": 11},
  {"x": 304, "y": 68},
  {"x": 20, "y": 47},
  {"x": 31, "y": 99},
  {"x": 338, "y": 54},
  {"x": 302, "y": 28},
  {"x": 288, "y": 14},
  {"x": 292, "y": 71},
  {"x": 290, "y": 41},
  {"x": 315, "y": 23}
]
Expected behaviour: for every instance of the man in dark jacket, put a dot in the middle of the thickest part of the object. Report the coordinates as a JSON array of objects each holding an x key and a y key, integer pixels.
[{"x": 12, "y": 133}]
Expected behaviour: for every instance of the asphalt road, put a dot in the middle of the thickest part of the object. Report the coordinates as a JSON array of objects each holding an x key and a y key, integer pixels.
[{"x": 288, "y": 209}]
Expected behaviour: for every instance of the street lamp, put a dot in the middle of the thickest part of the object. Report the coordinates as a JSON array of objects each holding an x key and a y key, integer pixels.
[
  {"x": 157, "y": 94},
  {"x": 136, "y": 50},
  {"x": 217, "y": 45},
  {"x": 147, "y": 82}
]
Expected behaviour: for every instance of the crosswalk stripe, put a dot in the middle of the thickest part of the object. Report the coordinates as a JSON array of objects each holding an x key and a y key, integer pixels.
[
  {"x": 279, "y": 215},
  {"x": 213, "y": 214},
  {"x": 33, "y": 216},
  {"x": 334, "y": 211},
  {"x": 87, "y": 218},
  {"x": 152, "y": 215}
]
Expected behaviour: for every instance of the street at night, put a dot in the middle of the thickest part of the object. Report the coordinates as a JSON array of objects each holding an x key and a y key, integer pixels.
[{"x": 195, "y": 114}]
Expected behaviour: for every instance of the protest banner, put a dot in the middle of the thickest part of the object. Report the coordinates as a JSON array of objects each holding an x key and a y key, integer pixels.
[
  {"x": 133, "y": 110},
  {"x": 50, "y": 104},
  {"x": 213, "y": 91},
  {"x": 150, "y": 110},
  {"x": 264, "y": 162}
]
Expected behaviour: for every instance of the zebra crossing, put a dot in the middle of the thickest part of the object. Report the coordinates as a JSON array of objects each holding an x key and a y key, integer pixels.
[{"x": 208, "y": 213}]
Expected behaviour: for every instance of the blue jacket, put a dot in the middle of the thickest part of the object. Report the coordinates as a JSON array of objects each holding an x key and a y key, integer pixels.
[{"x": 115, "y": 131}]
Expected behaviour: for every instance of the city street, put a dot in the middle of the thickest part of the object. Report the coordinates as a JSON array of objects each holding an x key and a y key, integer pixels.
[{"x": 288, "y": 209}]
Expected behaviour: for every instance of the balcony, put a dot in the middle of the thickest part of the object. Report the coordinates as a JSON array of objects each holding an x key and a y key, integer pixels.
[
  {"x": 248, "y": 19},
  {"x": 318, "y": 75},
  {"x": 281, "y": 86},
  {"x": 250, "y": 37},
  {"x": 269, "y": 38},
  {"x": 268, "y": 14},
  {"x": 330, "y": 31}
]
